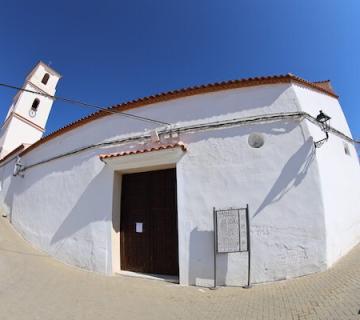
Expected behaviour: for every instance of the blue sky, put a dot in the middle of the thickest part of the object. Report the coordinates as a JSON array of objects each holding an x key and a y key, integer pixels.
[{"x": 113, "y": 51}]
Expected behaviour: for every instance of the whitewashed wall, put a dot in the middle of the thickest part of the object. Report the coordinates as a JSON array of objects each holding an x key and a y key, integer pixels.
[
  {"x": 339, "y": 175},
  {"x": 65, "y": 206},
  {"x": 7, "y": 187},
  {"x": 279, "y": 182},
  {"x": 68, "y": 209}
]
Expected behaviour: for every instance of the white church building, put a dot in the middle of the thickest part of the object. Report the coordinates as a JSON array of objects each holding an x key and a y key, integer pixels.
[{"x": 114, "y": 193}]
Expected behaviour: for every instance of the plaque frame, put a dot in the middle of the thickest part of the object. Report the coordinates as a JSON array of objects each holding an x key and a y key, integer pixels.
[{"x": 216, "y": 238}]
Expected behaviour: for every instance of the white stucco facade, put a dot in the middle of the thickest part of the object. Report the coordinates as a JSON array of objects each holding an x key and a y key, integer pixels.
[
  {"x": 304, "y": 207},
  {"x": 23, "y": 123},
  {"x": 338, "y": 177}
]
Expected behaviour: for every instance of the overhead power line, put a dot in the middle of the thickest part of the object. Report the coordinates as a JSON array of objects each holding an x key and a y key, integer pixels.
[{"x": 85, "y": 104}]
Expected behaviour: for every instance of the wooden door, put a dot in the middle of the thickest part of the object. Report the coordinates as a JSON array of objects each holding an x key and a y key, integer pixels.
[{"x": 148, "y": 232}]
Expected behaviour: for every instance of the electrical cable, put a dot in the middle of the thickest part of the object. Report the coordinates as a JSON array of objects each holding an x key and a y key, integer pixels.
[
  {"x": 196, "y": 127},
  {"x": 84, "y": 104}
]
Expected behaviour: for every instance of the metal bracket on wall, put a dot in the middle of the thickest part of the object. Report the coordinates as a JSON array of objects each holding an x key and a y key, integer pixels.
[
  {"x": 324, "y": 121},
  {"x": 319, "y": 143},
  {"x": 19, "y": 168}
]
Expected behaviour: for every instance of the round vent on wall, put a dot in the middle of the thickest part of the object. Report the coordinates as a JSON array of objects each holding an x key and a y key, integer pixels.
[{"x": 256, "y": 140}]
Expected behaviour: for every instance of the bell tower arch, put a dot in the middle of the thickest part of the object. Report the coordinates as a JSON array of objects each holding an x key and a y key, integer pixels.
[{"x": 27, "y": 116}]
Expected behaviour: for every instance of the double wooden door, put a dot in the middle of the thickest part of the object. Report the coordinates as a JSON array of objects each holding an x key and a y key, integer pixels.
[{"x": 148, "y": 224}]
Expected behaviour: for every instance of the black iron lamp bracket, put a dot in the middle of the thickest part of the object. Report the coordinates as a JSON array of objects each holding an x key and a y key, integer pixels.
[{"x": 324, "y": 121}]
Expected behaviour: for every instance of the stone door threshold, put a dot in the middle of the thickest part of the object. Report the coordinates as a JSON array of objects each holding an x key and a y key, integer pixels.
[{"x": 159, "y": 277}]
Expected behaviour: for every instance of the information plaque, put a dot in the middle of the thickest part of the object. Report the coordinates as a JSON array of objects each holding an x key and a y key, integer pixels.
[
  {"x": 232, "y": 234},
  {"x": 231, "y": 230}
]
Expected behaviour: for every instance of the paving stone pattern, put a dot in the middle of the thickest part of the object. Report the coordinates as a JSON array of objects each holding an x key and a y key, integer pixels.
[{"x": 35, "y": 286}]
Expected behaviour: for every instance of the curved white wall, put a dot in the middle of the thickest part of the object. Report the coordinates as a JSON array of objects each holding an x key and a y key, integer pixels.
[
  {"x": 339, "y": 175},
  {"x": 65, "y": 206},
  {"x": 279, "y": 182}
]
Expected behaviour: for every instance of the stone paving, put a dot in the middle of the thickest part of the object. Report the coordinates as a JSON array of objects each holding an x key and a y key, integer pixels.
[{"x": 35, "y": 286}]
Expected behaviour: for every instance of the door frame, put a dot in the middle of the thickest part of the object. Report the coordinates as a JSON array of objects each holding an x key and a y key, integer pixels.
[{"x": 151, "y": 161}]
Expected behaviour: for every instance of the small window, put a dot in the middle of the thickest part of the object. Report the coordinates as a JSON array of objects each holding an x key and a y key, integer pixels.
[
  {"x": 346, "y": 149},
  {"x": 35, "y": 104},
  {"x": 45, "y": 79}
]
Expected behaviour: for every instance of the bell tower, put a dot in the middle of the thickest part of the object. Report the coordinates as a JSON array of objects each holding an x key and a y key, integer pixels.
[{"x": 28, "y": 113}]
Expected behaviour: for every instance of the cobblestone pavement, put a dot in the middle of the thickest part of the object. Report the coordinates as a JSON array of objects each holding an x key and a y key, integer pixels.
[{"x": 35, "y": 286}]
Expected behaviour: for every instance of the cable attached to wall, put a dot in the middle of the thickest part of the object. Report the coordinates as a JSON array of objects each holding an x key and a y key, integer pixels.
[{"x": 196, "y": 127}]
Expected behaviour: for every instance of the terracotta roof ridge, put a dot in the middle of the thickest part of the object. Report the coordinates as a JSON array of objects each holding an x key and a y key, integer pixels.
[
  {"x": 322, "y": 81},
  {"x": 325, "y": 84},
  {"x": 144, "y": 150}
]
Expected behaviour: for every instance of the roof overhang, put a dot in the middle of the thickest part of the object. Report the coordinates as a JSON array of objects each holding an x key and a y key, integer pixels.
[{"x": 145, "y": 158}]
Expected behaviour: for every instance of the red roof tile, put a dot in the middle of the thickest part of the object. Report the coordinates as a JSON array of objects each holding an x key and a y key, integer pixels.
[
  {"x": 144, "y": 150},
  {"x": 326, "y": 84}
]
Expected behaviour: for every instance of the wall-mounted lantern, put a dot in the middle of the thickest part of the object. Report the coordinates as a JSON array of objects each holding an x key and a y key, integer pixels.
[{"x": 324, "y": 121}]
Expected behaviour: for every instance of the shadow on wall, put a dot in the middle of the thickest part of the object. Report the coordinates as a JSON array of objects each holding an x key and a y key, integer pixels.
[
  {"x": 201, "y": 269},
  {"x": 291, "y": 175},
  {"x": 86, "y": 211},
  {"x": 88, "y": 207}
]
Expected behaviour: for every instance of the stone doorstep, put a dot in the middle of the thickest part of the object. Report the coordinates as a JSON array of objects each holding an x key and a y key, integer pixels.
[{"x": 158, "y": 277}]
